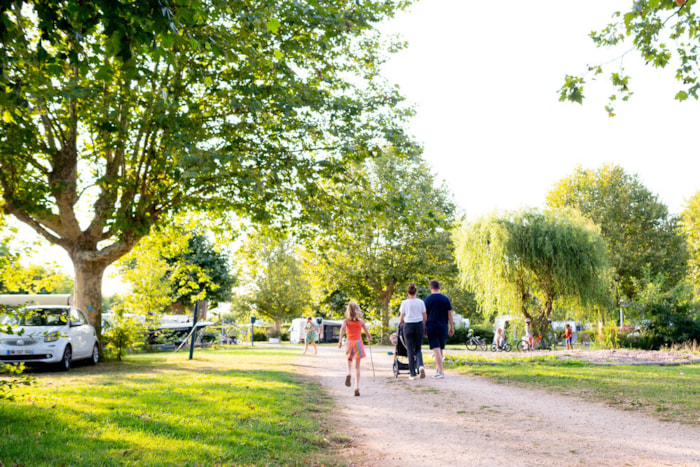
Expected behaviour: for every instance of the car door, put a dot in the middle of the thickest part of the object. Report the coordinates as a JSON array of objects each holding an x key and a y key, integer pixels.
[{"x": 80, "y": 333}]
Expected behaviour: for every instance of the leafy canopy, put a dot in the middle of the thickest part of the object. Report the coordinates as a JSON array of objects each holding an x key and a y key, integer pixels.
[
  {"x": 643, "y": 239},
  {"x": 115, "y": 115},
  {"x": 662, "y": 32},
  {"x": 532, "y": 261}
]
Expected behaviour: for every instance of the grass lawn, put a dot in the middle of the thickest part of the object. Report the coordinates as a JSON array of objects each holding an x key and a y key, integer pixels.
[
  {"x": 665, "y": 392},
  {"x": 241, "y": 406}
]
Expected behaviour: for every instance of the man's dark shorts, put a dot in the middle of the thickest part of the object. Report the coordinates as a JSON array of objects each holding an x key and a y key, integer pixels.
[{"x": 437, "y": 340}]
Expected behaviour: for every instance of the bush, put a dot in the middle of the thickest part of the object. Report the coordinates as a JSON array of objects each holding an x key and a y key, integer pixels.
[
  {"x": 484, "y": 331},
  {"x": 123, "y": 333},
  {"x": 260, "y": 336}
]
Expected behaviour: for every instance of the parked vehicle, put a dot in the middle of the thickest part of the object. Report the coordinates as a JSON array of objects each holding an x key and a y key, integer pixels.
[
  {"x": 328, "y": 330},
  {"x": 48, "y": 334}
]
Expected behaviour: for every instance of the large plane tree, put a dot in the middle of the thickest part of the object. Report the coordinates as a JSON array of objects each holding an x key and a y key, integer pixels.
[{"x": 116, "y": 115}]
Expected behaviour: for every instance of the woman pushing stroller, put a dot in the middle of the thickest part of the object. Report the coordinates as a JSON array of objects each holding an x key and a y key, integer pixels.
[{"x": 413, "y": 316}]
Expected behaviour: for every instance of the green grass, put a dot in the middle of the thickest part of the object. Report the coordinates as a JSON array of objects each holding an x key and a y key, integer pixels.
[
  {"x": 666, "y": 392},
  {"x": 242, "y": 407}
]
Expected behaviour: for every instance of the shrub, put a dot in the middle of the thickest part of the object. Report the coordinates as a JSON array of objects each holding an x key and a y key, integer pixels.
[{"x": 123, "y": 333}]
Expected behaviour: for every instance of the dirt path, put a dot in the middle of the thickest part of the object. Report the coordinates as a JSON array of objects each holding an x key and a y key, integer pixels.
[{"x": 463, "y": 420}]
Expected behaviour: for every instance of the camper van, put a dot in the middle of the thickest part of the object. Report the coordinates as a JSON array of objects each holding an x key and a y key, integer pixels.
[{"x": 328, "y": 330}]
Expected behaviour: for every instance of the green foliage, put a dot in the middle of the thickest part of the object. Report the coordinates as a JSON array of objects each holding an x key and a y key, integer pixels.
[
  {"x": 690, "y": 225},
  {"x": 175, "y": 264},
  {"x": 273, "y": 284},
  {"x": 608, "y": 336},
  {"x": 123, "y": 333},
  {"x": 530, "y": 262},
  {"x": 459, "y": 337},
  {"x": 642, "y": 238},
  {"x": 116, "y": 116},
  {"x": 662, "y": 32},
  {"x": 10, "y": 384},
  {"x": 29, "y": 279},
  {"x": 665, "y": 317},
  {"x": 200, "y": 273},
  {"x": 391, "y": 228}
]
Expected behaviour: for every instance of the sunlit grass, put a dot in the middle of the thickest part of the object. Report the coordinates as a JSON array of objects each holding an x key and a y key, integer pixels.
[
  {"x": 666, "y": 392},
  {"x": 241, "y": 407}
]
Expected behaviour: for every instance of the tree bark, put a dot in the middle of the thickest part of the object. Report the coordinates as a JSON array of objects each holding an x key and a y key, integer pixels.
[{"x": 87, "y": 294}]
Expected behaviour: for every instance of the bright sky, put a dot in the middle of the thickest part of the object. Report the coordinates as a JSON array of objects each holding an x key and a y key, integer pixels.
[{"x": 484, "y": 77}]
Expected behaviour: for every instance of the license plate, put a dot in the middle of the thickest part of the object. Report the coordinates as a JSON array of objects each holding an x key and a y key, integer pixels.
[{"x": 19, "y": 352}]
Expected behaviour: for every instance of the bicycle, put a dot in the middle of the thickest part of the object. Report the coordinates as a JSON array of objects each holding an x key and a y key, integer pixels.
[
  {"x": 474, "y": 342},
  {"x": 505, "y": 347},
  {"x": 538, "y": 343}
]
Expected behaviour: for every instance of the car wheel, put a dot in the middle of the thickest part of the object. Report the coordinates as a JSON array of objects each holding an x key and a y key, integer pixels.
[
  {"x": 65, "y": 363},
  {"x": 95, "y": 355}
]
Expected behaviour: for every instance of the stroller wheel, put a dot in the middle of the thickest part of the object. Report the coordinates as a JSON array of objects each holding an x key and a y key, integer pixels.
[{"x": 396, "y": 368}]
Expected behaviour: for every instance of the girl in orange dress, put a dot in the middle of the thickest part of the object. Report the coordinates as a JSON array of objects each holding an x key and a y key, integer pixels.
[{"x": 354, "y": 348}]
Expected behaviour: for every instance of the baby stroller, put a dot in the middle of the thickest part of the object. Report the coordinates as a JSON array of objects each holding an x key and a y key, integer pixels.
[{"x": 400, "y": 353}]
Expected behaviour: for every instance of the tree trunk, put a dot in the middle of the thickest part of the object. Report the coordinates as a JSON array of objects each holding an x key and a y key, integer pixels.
[
  {"x": 384, "y": 300},
  {"x": 88, "y": 290}
]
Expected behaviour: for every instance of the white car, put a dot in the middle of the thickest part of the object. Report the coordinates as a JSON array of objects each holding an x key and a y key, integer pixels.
[{"x": 53, "y": 334}]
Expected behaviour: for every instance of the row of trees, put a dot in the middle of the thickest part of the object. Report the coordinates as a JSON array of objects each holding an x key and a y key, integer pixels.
[
  {"x": 118, "y": 118},
  {"x": 604, "y": 241}
]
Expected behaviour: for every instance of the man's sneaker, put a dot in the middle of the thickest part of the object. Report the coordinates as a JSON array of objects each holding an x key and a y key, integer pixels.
[
  {"x": 422, "y": 372},
  {"x": 411, "y": 378},
  {"x": 439, "y": 375}
]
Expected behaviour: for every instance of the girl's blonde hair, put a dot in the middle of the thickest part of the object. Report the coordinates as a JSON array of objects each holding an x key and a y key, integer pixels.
[{"x": 353, "y": 312}]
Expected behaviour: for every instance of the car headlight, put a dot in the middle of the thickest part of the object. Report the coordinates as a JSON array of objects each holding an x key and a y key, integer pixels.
[{"x": 52, "y": 336}]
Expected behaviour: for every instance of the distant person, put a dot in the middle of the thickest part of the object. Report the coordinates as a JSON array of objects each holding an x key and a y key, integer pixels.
[
  {"x": 528, "y": 335},
  {"x": 568, "y": 337},
  {"x": 413, "y": 316},
  {"x": 310, "y": 335},
  {"x": 439, "y": 324},
  {"x": 354, "y": 347},
  {"x": 499, "y": 339}
]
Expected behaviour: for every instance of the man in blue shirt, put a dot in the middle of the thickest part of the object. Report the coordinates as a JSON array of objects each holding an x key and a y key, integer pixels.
[{"x": 439, "y": 325}]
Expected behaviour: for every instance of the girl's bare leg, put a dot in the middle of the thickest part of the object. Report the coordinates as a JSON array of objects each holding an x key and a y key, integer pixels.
[{"x": 357, "y": 374}]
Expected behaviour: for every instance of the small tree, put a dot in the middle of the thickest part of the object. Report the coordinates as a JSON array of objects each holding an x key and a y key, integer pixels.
[
  {"x": 122, "y": 333},
  {"x": 273, "y": 282}
]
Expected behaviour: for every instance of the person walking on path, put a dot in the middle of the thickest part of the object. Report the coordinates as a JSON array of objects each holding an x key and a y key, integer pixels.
[
  {"x": 413, "y": 316},
  {"x": 567, "y": 336},
  {"x": 354, "y": 347},
  {"x": 310, "y": 335},
  {"x": 439, "y": 324}
]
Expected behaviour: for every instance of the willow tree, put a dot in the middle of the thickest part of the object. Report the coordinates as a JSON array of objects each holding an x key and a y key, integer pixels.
[
  {"x": 115, "y": 115},
  {"x": 533, "y": 261},
  {"x": 691, "y": 228}
]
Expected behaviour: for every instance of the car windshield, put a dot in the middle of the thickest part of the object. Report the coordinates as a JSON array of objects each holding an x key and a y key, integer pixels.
[{"x": 40, "y": 317}]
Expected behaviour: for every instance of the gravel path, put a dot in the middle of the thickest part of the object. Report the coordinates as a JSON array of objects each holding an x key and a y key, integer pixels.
[{"x": 464, "y": 420}]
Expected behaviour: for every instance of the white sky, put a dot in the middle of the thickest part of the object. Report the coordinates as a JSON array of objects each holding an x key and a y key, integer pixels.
[{"x": 484, "y": 77}]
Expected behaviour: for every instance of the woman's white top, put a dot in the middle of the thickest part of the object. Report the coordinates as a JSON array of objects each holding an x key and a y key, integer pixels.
[{"x": 412, "y": 309}]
